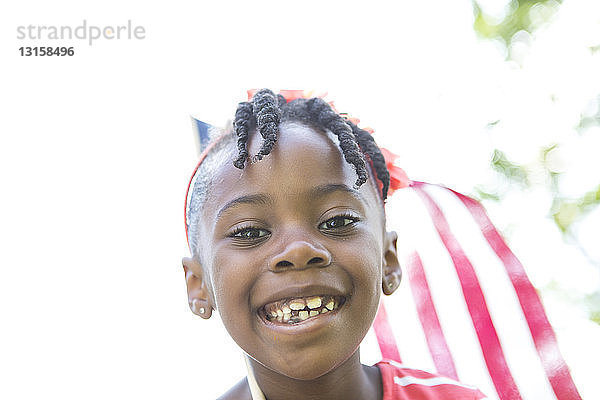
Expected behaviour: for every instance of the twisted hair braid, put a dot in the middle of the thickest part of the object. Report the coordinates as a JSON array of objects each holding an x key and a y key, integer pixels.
[
  {"x": 370, "y": 149},
  {"x": 329, "y": 119},
  {"x": 268, "y": 116},
  {"x": 281, "y": 101},
  {"x": 244, "y": 121}
]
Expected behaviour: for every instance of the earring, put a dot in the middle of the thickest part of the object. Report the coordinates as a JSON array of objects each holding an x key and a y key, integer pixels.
[
  {"x": 199, "y": 309},
  {"x": 390, "y": 285}
]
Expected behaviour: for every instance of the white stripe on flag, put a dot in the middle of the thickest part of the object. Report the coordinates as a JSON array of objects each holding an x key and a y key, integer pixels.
[{"x": 411, "y": 380}]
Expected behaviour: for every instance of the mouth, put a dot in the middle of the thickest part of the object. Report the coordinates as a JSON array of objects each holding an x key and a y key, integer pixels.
[{"x": 295, "y": 310}]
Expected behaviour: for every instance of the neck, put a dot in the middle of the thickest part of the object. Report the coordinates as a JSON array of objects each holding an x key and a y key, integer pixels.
[{"x": 350, "y": 380}]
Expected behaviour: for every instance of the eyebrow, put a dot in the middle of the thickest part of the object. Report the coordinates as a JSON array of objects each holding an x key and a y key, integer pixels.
[
  {"x": 324, "y": 190},
  {"x": 257, "y": 199}
]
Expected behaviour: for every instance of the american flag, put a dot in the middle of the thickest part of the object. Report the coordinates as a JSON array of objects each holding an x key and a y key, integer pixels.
[{"x": 467, "y": 310}]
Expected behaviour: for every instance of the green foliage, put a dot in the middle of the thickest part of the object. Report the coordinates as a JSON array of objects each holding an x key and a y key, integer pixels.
[
  {"x": 592, "y": 301},
  {"x": 566, "y": 212},
  {"x": 515, "y": 173},
  {"x": 485, "y": 194},
  {"x": 522, "y": 15}
]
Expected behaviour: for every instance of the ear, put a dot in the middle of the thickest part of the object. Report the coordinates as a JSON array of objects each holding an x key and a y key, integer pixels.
[
  {"x": 392, "y": 274},
  {"x": 198, "y": 293}
]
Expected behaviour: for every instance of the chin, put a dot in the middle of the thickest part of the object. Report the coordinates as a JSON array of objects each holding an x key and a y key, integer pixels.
[{"x": 311, "y": 367}]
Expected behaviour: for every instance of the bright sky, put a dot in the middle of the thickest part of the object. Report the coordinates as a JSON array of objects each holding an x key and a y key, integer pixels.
[{"x": 96, "y": 151}]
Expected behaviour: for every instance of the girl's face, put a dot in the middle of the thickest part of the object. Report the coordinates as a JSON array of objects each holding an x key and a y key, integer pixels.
[{"x": 290, "y": 231}]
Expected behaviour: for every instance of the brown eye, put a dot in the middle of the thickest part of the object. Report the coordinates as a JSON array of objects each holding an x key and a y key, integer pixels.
[
  {"x": 250, "y": 233},
  {"x": 338, "y": 222}
]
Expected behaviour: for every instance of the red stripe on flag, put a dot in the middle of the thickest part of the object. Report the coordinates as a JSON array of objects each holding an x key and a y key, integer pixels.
[
  {"x": 484, "y": 327},
  {"x": 434, "y": 335},
  {"x": 385, "y": 336},
  {"x": 541, "y": 331}
]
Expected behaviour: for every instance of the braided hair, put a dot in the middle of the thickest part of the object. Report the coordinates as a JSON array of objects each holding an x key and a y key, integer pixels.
[{"x": 266, "y": 111}]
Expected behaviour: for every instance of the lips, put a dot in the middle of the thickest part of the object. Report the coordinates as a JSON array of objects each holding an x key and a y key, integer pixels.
[{"x": 293, "y": 310}]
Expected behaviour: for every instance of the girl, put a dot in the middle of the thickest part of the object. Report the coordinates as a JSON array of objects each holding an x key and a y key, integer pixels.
[{"x": 286, "y": 226}]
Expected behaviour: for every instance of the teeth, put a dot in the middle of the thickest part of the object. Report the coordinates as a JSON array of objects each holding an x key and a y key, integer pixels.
[
  {"x": 330, "y": 305},
  {"x": 314, "y": 302},
  {"x": 297, "y": 310},
  {"x": 297, "y": 305}
]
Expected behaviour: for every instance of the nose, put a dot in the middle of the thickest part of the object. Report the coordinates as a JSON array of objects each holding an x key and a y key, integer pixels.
[{"x": 300, "y": 255}]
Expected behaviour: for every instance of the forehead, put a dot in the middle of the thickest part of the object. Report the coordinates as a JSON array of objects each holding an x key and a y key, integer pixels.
[{"x": 301, "y": 159}]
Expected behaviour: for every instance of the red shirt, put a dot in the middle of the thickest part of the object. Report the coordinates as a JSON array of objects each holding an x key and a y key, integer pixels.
[{"x": 402, "y": 383}]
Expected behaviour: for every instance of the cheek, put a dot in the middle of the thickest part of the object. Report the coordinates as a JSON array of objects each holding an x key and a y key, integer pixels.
[
  {"x": 232, "y": 281},
  {"x": 369, "y": 273},
  {"x": 364, "y": 266},
  {"x": 372, "y": 254},
  {"x": 232, "y": 277}
]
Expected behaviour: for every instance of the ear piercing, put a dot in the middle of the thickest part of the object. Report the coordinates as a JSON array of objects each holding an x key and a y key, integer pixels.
[{"x": 195, "y": 307}]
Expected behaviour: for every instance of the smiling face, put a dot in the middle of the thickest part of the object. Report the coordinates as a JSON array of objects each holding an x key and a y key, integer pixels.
[{"x": 292, "y": 256}]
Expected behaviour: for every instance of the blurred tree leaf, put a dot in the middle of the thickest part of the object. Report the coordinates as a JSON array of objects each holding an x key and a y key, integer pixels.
[
  {"x": 590, "y": 117},
  {"x": 486, "y": 194},
  {"x": 566, "y": 212},
  {"x": 513, "y": 172},
  {"x": 592, "y": 301}
]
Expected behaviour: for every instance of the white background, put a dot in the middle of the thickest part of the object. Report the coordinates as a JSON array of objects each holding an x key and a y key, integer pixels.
[{"x": 96, "y": 151}]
